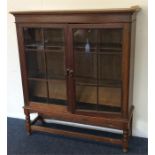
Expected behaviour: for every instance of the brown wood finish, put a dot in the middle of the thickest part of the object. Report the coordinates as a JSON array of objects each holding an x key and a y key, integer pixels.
[
  {"x": 76, "y": 134},
  {"x": 60, "y": 112},
  {"x": 132, "y": 55},
  {"x": 28, "y": 121},
  {"x": 132, "y": 9},
  {"x": 123, "y": 53},
  {"x": 22, "y": 65},
  {"x": 72, "y": 16},
  {"x": 125, "y": 70}
]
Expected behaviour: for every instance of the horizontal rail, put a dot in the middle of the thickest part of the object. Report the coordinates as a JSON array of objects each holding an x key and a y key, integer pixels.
[{"x": 76, "y": 134}]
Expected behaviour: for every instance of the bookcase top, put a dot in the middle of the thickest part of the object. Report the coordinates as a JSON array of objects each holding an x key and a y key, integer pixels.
[{"x": 94, "y": 11}]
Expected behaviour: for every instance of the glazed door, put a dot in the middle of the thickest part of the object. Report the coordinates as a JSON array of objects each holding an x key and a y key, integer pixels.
[
  {"x": 97, "y": 68},
  {"x": 45, "y": 53}
]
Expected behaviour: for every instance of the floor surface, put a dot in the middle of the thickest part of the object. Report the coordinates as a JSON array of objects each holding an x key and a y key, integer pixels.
[{"x": 19, "y": 143}]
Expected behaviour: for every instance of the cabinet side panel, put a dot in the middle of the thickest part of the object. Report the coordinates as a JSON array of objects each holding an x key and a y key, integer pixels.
[
  {"x": 132, "y": 53},
  {"x": 22, "y": 62}
]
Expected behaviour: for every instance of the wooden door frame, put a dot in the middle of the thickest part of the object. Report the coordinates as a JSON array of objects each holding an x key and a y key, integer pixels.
[
  {"x": 22, "y": 56},
  {"x": 125, "y": 65}
]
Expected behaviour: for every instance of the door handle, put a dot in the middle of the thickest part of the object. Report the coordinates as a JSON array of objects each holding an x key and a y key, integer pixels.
[{"x": 69, "y": 72}]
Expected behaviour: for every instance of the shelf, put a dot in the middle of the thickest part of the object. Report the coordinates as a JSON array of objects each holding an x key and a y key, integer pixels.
[
  {"x": 34, "y": 46},
  {"x": 100, "y": 48},
  {"x": 41, "y": 47},
  {"x": 49, "y": 79},
  {"x": 54, "y": 46},
  {"x": 104, "y": 84},
  {"x": 87, "y": 81},
  {"x": 113, "y": 53},
  {"x": 97, "y": 107},
  {"x": 45, "y": 50},
  {"x": 34, "y": 50},
  {"x": 100, "y": 53},
  {"x": 48, "y": 100},
  {"x": 37, "y": 79},
  {"x": 83, "y": 47},
  {"x": 101, "y": 45},
  {"x": 54, "y": 51},
  {"x": 85, "y": 84},
  {"x": 110, "y": 48}
]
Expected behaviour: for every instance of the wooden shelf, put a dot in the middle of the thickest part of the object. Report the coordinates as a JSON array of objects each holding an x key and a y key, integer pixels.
[
  {"x": 52, "y": 48},
  {"x": 54, "y": 51},
  {"x": 88, "y": 81},
  {"x": 34, "y": 50},
  {"x": 45, "y": 50},
  {"x": 34, "y": 45},
  {"x": 100, "y": 48},
  {"x": 100, "y": 53},
  {"x": 45, "y": 79}
]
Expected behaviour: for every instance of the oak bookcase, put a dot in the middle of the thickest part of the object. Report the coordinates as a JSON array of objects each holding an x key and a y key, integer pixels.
[{"x": 77, "y": 66}]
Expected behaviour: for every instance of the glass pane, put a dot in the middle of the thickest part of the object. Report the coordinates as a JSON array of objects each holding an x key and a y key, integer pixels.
[
  {"x": 55, "y": 65},
  {"x": 57, "y": 92},
  {"x": 86, "y": 97},
  {"x": 85, "y": 68},
  {"x": 110, "y": 40},
  {"x": 35, "y": 64},
  {"x": 85, "y": 49},
  {"x": 98, "y": 59},
  {"x": 109, "y": 70},
  {"x": 54, "y": 39},
  {"x": 44, "y": 49},
  {"x": 109, "y": 99},
  {"x": 37, "y": 91},
  {"x": 54, "y": 49},
  {"x": 84, "y": 40},
  {"x": 33, "y": 38}
]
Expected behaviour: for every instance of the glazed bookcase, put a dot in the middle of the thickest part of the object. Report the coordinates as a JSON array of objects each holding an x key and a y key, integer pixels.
[{"x": 77, "y": 66}]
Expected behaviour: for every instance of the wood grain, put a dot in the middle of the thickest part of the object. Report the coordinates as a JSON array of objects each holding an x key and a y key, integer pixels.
[
  {"x": 76, "y": 134},
  {"x": 67, "y": 88}
]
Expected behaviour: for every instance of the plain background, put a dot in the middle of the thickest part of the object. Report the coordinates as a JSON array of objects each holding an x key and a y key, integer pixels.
[{"x": 15, "y": 95}]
